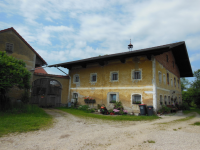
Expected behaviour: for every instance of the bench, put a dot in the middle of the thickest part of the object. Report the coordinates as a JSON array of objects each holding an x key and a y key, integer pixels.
[{"x": 173, "y": 108}]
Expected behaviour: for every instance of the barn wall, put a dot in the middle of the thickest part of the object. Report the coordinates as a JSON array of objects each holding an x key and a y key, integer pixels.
[
  {"x": 20, "y": 51},
  {"x": 64, "y": 82}
]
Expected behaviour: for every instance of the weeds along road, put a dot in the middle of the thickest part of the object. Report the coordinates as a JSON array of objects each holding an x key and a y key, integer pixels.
[{"x": 73, "y": 133}]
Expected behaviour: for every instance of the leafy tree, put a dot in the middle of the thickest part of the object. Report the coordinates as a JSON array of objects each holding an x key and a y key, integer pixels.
[
  {"x": 184, "y": 83},
  {"x": 196, "y": 88},
  {"x": 187, "y": 96},
  {"x": 12, "y": 73}
]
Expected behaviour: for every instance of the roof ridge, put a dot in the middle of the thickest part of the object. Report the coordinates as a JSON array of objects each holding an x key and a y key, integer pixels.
[{"x": 24, "y": 42}]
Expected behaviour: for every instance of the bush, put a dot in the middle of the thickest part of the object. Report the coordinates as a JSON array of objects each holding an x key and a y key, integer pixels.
[
  {"x": 184, "y": 106},
  {"x": 25, "y": 97},
  {"x": 164, "y": 109},
  {"x": 118, "y": 105}
]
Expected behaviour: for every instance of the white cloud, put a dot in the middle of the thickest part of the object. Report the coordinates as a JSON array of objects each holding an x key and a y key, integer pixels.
[{"x": 195, "y": 57}]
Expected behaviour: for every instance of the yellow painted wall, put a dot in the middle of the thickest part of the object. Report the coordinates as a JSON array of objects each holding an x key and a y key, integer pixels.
[
  {"x": 163, "y": 88},
  {"x": 20, "y": 51},
  {"x": 65, "y": 86},
  {"x": 124, "y": 86}
]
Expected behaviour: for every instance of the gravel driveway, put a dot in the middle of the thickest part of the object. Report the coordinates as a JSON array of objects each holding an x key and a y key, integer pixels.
[{"x": 73, "y": 133}]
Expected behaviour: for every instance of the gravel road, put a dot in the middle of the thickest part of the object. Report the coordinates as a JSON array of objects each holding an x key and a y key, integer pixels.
[{"x": 73, "y": 133}]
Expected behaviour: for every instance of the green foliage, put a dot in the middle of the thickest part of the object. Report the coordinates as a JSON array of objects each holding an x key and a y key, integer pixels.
[
  {"x": 164, "y": 109},
  {"x": 25, "y": 97},
  {"x": 81, "y": 114},
  {"x": 197, "y": 124},
  {"x": 86, "y": 108},
  {"x": 184, "y": 83},
  {"x": 187, "y": 96},
  {"x": 119, "y": 106},
  {"x": 184, "y": 106},
  {"x": 110, "y": 111},
  {"x": 28, "y": 118},
  {"x": 112, "y": 101},
  {"x": 121, "y": 112},
  {"x": 13, "y": 73}
]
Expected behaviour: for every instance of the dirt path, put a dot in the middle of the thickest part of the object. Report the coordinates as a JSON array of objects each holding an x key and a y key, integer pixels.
[{"x": 72, "y": 133}]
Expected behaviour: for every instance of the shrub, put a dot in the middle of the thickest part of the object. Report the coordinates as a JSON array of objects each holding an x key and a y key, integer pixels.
[
  {"x": 118, "y": 105},
  {"x": 25, "y": 97},
  {"x": 184, "y": 106},
  {"x": 164, "y": 109}
]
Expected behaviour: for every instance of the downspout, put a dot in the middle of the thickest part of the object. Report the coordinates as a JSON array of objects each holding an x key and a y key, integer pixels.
[{"x": 154, "y": 84}]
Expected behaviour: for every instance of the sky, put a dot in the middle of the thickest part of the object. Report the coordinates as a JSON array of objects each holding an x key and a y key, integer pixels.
[{"x": 67, "y": 30}]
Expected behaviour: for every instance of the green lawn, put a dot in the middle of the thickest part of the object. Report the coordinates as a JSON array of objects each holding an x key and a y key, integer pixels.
[
  {"x": 192, "y": 109},
  {"x": 35, "y": 119},
  {"x": 80, "y": 113}
]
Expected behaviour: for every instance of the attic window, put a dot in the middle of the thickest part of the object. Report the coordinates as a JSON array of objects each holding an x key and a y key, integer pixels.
[{"x": 9, "y": 47}]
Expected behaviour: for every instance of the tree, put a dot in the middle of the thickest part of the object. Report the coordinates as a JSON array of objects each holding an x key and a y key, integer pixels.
[
  {"x": 12, "y": 73},
  {"x": 196, "y": 88},
  {"x": 187, "y": 96},
  {"x": 184, "y": 83}
]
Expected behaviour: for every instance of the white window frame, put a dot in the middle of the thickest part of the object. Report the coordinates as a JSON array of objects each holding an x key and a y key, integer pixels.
[
  {"x": 91, "y": 75},
  {"x": 160, "y": 77},
  {"x": 133, "y": 94},
  {"x": 164, "y": 78},
  {"x": 174, "y": 82},
  {"x": 111, "y": 76},
  {"x": 133, "y": 72},
  {"x": 171, "y": 82},
  {"x": 74, "y": 78},
  {"x": 109, "y": 97}
]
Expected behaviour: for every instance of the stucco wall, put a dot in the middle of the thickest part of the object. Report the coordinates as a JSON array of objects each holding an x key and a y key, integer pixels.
[
  {"x": 65, "y": 86},
  {"x": 20, "y": 51},
  {"x": 163, "y": 87},
  {"x": 125, "y": 86}
]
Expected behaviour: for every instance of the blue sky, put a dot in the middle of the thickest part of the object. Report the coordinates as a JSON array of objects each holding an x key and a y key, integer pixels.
[{"x": 66, "y": 30}]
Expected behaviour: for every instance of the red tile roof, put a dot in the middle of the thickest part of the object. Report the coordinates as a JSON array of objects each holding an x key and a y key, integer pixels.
[
  {"x": 40, "y": 70},
  {"x": 24, "y": 42}
]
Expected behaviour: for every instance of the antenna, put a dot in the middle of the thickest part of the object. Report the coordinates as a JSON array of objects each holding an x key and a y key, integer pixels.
[{"x": 130, "y": 46}]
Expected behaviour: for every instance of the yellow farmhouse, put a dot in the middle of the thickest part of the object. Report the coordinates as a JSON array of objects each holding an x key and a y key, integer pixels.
[{"x": 148, "y": 76}]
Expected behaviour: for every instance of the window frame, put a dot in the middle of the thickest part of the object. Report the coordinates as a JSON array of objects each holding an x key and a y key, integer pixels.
[
  {"x": 91, "y": 77},
  {"x": 168, "y": 78},
  {"x": 161, "y": 100},
  {"x": 109, "y": 97},
  {"x": 160, "y": 77},
  {"x": 111, "y": 76},
  {"x": 133, "y": 74},
  {"x": 133, "y": 96},
  {"x": 74, "y": 78},
  {"x": 9, "y": 50},
  {"x": 164, "y": 78},
  {"x": 174, "y": 82}
]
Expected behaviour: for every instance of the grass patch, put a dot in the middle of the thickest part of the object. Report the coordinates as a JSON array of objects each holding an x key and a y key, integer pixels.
[
  {"x": 196, "y": 124},
  {"x": 192, "y": 109},
  {"x": 150, "y": 141},
  {"x": 34, "y": 119},
  {"x": 175, "y": 129},
  {"x": 81, "y": 113}
]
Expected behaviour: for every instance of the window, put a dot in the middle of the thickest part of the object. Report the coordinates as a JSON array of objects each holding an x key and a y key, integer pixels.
[
  {"x": 9, "y": 47},
  {"x": 168, "y": 78},
  {"x": 164, "y": 78},
  {"x": 160, "y": 76},
  {"x": 161, "y": 100},
  {"x": 76, "y": 78},
  {"x": 136, "y": 75},
  {"x": 169, "y": 99},
  {"x": 93, "y": 77},
  {"x": 167, "y": 58},
  {"x": 136, "y": 99},
  {"x": 114, "y": 76},
  {"x": 75, "y": 95},
  {"x": 165, "y": 98},
  {"x": 175, "y": 82},
  {"x": 113, "y": 98},
  {"x": 171, "y": 82}
]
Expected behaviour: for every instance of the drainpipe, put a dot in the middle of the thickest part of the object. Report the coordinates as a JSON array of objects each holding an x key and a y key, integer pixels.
[{"x": 154, "y": 84}]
